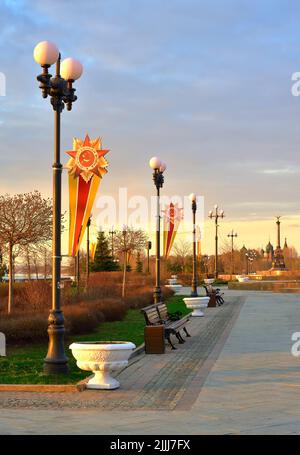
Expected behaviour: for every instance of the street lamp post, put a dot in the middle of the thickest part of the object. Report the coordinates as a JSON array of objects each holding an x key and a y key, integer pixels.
[
  {"x": 78, "y": 271},
  {"x": 251, "y": 255},
  {"x": 250, "y": 261},
  {"x": 216, "y": 215},
  {"x": 158, "y": 169},
  {"x": 61, "y": 92},
  {"x": 112, "y": 233},
  {"x": 232, "y": 235},
  {"x": 149, "y": 246},
  {"x": 205, "y": 263},
  {"x": 124, "y": 232},
  {"x": 193, "y": 199},
  {"x": 88, "y": 251}
]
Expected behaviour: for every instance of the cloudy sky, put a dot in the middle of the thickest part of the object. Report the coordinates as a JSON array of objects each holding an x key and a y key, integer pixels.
[{"x": 205, "y": 84}]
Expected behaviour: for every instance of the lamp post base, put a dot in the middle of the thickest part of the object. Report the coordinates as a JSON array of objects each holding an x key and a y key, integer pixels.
[
  {"x": 157, "y": 295},
  {"x": 53, "y": 368},
  {"x": 56, "y": 361}
]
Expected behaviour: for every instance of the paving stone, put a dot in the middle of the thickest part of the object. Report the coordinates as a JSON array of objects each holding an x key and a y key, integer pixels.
[
  {"x": 242, "y": 381},
  {"x": 151, "y": 381}
]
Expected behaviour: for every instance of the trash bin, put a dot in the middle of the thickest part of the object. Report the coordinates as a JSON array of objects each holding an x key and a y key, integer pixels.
[
  {"x": 212, "y": 301},
  {"x": 154, "y": 339}
]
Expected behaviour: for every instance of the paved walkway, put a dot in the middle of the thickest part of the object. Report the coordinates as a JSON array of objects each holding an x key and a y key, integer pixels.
[{"x": 234, "y": 375}]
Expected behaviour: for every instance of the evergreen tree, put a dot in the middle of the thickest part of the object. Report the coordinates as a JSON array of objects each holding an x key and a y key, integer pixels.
[
  {"x": 103, "y": 260},
  {"x": 139, "y": 264}
]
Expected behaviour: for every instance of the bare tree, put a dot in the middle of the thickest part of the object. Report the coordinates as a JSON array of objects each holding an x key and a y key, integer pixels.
[
  {"x": 127, "y": 242},
  {"x": 27, "y": 260},
  {"x": 24, "y": 219},
  {"x": 182, "y": 250},
  {"x": 37, "y": 255},
  {"x": 45, "y": 252}
]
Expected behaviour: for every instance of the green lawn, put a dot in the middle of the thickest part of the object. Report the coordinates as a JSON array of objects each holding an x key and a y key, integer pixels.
[{"x": 24, "y": 364}]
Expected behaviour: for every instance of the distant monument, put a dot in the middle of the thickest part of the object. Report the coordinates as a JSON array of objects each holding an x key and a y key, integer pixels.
[
  {"x": 269, "y": 253},
  {"x": 278, "y": 260}
]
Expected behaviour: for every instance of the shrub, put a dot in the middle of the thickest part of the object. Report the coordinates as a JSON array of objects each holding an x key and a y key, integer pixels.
[
  {"x": 23, "y": 328},
  {"x": 3, "y": 290},
  {"x": 167, "y": 292},
  {"x": 79, "y": 320},
  {"x": 33, "y": 296},
  {"x": 111, "y": 309}
]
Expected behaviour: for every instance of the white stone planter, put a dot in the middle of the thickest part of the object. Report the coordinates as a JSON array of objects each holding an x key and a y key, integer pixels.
[
  {"x": 174, "y": 287},
  {"x": 172, "y": 281},
  {"x": 102, "y": 357},
  {"x": 196, "y": 304},
  {"x": 209, "y": 280},
  {"x": 242, "y": 279}
]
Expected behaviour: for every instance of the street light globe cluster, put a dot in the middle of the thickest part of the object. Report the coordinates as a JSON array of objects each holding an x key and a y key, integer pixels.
[
  {"x": 46, "y": 54},
  {"x": 157, "y": 164},
  {"x": 71, "y": 69},
  {"x": 219, "y": 214}
]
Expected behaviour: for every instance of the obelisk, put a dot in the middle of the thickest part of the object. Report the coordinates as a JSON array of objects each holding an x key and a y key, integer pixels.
[{"x": 278, "y": 262}]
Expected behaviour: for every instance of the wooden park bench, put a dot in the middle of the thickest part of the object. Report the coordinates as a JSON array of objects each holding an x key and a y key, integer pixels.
[
  {"x": 172, "y": 323},
  {"x": 216, "y": 297}
]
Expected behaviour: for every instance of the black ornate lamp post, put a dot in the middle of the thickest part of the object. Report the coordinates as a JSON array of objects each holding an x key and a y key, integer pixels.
[
  {"x": 88, "y": 225},
  {"x": 193, "y": 199},
  {"x": 251, "y": 255},
  {"x": 124, "y": 232},
  {"x": 61, "y": 92},
  {"x": 232, "y": 235},
  {"x": 149, "y": 246},
  {"x": 158, "y": 169},
  {"x": 216, "y": 215},
  {"x": 112, "y": 234},
  {"x": 205, "y": 263},
  {"x": 250, "y": 260}
]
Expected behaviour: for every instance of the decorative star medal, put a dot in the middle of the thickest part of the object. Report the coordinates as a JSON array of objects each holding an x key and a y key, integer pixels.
[
  {"x": 86, "y": 168},
  {"x": 87, "y": 158}
]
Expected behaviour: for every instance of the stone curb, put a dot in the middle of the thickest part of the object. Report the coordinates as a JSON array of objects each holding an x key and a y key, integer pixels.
[{"x": 45, "y": 388}]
